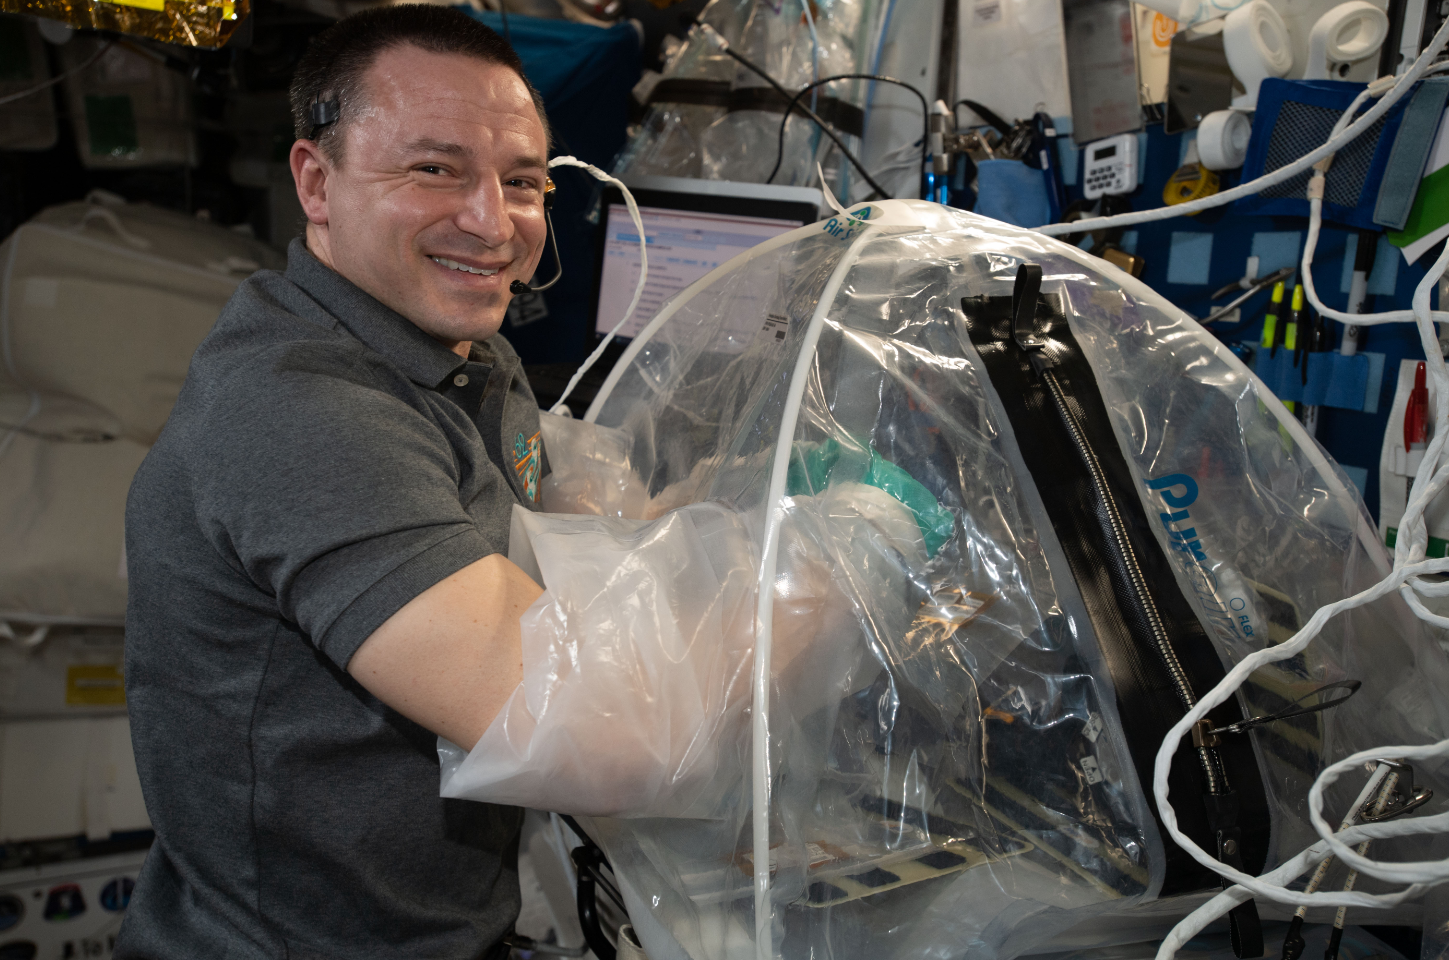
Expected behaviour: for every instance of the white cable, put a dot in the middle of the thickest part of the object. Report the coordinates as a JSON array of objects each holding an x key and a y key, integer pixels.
[
  {"x": 907, "y": 156},
  {"x": 814, "y": 49},
  {"x": 1194, "y": 923},
  {"x": 54, "y": 80},
  {"x": 1220, "y": 905},
  {"x": 815, "y": 74},
  {"x": 1310, "y": 246},
  {"x": 1433, "y": 475},
  {"x": 1229, "y": 685},
  {"x": 1409, "y": 564},
  {"x": 1412, "y": 872},
  {"x": 593, "y": 358},
  {"x": 1287, "y": 172}
]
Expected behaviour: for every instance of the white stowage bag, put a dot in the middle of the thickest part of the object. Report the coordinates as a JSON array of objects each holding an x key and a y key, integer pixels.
[
  {"x": 143, "y": 286},
  {"x": 637, "y": 657}
]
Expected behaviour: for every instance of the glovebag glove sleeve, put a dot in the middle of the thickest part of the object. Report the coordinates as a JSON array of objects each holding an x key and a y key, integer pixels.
[
  {"x": 636, "y": 668},
  {"x": 637, "y": 658}
]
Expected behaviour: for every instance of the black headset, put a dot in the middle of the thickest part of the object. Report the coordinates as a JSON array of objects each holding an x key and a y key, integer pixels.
[
  {"x": 325, "y": 113},
  {"x": 518, "y": 287}
]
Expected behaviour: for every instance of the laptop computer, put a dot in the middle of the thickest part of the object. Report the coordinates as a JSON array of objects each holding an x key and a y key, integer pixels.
[{"x": 692, "y": 227}]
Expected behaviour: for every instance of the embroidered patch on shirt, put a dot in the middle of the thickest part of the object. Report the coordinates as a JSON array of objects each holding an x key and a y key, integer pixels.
[{"x": 527, "y": 456}]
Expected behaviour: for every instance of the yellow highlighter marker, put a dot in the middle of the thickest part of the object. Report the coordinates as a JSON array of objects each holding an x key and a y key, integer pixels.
[
  {"x": 1290, "y": 334},
  {"x": 1270, "y": 322}
]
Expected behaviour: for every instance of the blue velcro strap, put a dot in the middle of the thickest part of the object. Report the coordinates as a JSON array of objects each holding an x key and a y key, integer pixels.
[
  {"x": 1347, "y": 380},
  {"x": 1411, "y": 149}
]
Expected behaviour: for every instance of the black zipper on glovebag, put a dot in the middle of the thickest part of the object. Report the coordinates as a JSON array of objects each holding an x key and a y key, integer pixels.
[
  {"x": 1155, "y": 649},
  {"x": 1130, "y": 585}
]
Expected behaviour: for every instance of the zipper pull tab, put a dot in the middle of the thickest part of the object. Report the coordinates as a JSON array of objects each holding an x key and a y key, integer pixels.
[
  {"x": 1244, "y": 927},
  {"x": 1024, "y": 298}
]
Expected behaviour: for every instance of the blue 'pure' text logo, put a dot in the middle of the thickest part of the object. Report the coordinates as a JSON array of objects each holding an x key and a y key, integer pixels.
[
  {"x": 1182, "y": 538},
  {"x": 1179, "y": 492}
]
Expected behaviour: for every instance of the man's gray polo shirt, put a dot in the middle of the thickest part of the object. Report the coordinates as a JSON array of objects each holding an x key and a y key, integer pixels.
[{"x": 325, "y": 463}]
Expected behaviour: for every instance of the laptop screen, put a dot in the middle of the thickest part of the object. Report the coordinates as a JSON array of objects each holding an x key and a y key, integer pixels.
[{"x": 684, "y": 245}]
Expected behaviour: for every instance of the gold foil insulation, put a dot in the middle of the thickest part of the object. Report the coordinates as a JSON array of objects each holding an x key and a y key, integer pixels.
[{"x": 189, "y": 24}]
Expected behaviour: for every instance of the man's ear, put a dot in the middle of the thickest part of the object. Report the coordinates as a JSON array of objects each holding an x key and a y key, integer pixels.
[{"x": 309, "y": 170}]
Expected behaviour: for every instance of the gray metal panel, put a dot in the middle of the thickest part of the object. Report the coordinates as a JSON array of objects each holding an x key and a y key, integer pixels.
[{"x": 1101, "y": 68}]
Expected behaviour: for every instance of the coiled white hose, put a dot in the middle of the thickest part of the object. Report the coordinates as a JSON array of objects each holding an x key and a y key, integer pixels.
[{"x": 1409, "y": 566}]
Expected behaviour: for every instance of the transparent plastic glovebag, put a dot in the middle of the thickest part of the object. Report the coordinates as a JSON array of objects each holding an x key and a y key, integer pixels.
[{"x": 977, "y": 568}]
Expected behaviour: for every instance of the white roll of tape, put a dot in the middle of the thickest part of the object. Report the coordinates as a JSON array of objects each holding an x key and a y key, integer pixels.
[
  {"x": 1256, "y": 42},
  {"x": 1222, "y": 139},
  {"x": 1347, "y": 33}
]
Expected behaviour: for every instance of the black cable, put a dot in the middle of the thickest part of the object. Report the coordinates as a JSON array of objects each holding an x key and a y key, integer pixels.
[
  {"x": 990, "y": 116},
  {"x": 925, "y": 115},
  {"x": 824, "y": 127},
  {"x": 586, "y": 858},
  {"x": 584, "y": 838},
  {"x": 609, "y": 890},
  {"x": 503, "y": 12},
  {"x": 518, "y": 288},
  {"x": 553, "y": 245},
  {"x": 578, "y": 830}
]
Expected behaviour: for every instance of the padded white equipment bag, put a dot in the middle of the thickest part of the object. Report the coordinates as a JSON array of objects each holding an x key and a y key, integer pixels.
[{"x": 102, "y": 304}]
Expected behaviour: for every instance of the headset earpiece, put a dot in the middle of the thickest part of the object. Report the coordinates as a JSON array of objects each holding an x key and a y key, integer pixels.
[
  {"x": 322, "y": 113},
  {"x": 518, "y": 288}
]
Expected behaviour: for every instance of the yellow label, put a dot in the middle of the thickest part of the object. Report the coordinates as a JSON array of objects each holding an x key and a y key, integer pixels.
[
  {"x": 143, "y": 4},
  {"x": 95, "y": 685}
]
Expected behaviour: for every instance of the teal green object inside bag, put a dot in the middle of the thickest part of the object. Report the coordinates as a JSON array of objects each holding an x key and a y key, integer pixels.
[{"x": 814, "y": 467}]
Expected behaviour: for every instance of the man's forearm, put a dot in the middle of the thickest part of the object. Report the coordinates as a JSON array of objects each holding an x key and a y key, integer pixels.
[{"x": 450, "y": 659}]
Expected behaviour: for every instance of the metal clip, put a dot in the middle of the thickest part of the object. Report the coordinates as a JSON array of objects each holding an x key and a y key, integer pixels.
[{"x": 1402, "y": 800}]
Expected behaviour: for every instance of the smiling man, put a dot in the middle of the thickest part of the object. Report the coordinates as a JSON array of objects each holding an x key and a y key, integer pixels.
[{"x": 315, "y": 544}]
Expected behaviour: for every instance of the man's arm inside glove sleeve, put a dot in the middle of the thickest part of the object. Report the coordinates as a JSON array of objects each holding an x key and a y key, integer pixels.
[{"x": 451, "y": 657}]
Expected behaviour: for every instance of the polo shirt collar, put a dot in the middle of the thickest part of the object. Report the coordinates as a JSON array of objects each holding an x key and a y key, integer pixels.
[{"x": 422, "y": 359}]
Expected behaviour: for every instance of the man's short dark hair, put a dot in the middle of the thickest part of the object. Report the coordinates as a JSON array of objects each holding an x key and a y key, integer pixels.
[{"x": 334, "y": 63}]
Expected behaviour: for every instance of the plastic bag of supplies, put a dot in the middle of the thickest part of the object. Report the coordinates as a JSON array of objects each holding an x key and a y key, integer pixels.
[{"x": 988, "y": 532}]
